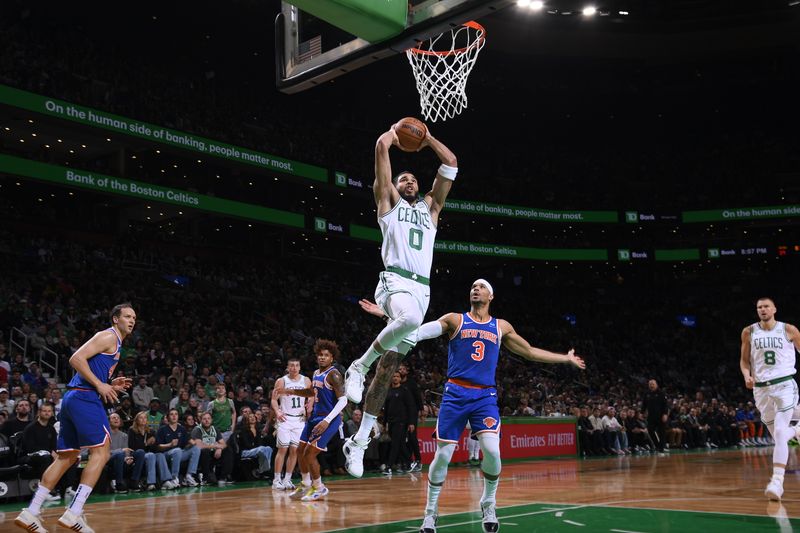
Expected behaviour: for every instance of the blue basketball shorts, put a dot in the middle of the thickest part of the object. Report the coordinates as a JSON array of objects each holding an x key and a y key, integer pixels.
[
  {"x": 323, "y": 440},
  {"x": 83, "y": 420},
  {"x": 461, "y": 404}
]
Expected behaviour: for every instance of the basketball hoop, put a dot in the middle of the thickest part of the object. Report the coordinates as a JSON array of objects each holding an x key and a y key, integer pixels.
[{"x": 442, "y": 74}]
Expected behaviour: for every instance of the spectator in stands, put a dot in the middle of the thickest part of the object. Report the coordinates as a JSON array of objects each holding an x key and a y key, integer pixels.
[
  {"x": 213, "y": 452},
  {"x": 523, "y": 409},
  {"x": 201, "y": 398},
  {"x": 587, "y": 437},
  {"x": 143, "y": 443},
  {"x": 126, "y": 412},
  {"x": 154, "y": 415},
  {"x": 243, "y": 400},
  {"x": 638, "y": 434},
  {"x": 21, "y": 418},
  {"x": 251, "y": 444},
  {"x": 6, "y": 404},
  {"x": 121, "y": 454},
  {"x": 55, "y": 399},
  {"x": 614, "y": 433},
  {"x": 35, "y": 379},
  {"x": 162, "y": 391},
  {"x": 351, "y": 426},
  {"x": 189, "y": 422},
  {"x": 223, "y": 412},
  {"x": 174, "y": 442},
  {"x": 39, "y": 445},
  {"x": 182, "y": 403},
  {"x": 142, "y": 394}
]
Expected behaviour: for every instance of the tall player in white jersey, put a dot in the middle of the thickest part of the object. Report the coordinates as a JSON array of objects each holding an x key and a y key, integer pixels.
[
  {"x": 767, "y": 365},
  {"x": 291, "y": 413},
  {"x": 408, "y": 225}
]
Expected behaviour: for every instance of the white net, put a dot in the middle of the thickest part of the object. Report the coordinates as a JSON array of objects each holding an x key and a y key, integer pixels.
[{"x": 442, "y": 73}]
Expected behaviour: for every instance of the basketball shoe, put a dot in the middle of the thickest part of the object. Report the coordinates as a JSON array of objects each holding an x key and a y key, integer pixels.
[
  {"x": 774, "y": 490},
  {"x": 299, "y": 492},
  {"x": 429, "y": 524},
  {"x": 315, "y": 494},
  {"x": 30, "y": 522},
  {"x": 354, "y": 456},
  {"x": 354, "y": 382},
  {"x": 74, "y": 522},
  {"x": 490, "y": 523}
]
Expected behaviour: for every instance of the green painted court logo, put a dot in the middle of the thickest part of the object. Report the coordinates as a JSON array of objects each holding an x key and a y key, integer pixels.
[
  {"x": 320, "y": 224},
  {"x": 624, "y": 255},
  {"x": 341, "y": 179},
  {"x": 631, "y": 217},
  {"x": 713, "y": 253}
]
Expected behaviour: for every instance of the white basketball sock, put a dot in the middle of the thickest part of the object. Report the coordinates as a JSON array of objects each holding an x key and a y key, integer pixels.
[
  {"x": 306, "y": 479},
  {"x": 364, "y": 430},
  {"x": 38, "y": 499},
  {"x": 432, "y": 503},
  {"x": 489, "y": 490},
  {"x": 81, "y": 495},
  {"x": 369, "y": 357}
]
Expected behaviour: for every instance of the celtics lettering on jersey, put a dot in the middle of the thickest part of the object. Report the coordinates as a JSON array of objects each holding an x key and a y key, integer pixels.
[
  {"x": 408, "y": 237},
  {"x": 771, "y": 353}
]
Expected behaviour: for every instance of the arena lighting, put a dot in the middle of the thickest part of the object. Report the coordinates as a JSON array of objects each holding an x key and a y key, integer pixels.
[
  {"x": 537, "y": 5},
  {"x": 589, "y": 11},
  {"x": 523, "y": 3}
]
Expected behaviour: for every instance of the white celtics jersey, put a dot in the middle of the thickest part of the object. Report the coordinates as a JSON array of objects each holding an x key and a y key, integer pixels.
[
  {"x": 293, "y": 405},
  {"x": 771, "y": 352},
  {"x": 408, "y": 237}
]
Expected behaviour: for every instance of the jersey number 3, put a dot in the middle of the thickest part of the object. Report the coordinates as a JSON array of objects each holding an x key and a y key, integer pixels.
[{"x": 477, "y": 355}]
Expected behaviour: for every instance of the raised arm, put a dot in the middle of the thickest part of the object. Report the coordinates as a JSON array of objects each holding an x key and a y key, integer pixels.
[
  {"x": 444, "y": 176},
  {"x": 744, "y": 359},
  {"x": 514, "y": 342},
  {"x": 386, "y": 196}
]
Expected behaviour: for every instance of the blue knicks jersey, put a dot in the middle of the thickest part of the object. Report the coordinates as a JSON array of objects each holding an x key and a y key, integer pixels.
[
  {"x": 325, "y": 396},
  {"x": 474, "y": 350},
  {"x": 102, "y": 366}
]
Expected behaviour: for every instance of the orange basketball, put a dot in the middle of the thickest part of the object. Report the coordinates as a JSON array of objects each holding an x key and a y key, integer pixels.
[{"x": 410, "y": 132}]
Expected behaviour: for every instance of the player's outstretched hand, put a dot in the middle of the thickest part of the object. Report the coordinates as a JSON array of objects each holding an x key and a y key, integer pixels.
[
  {"x": 107, "y": 393},
  {"x": 121, "y": 383},
  {"x": 371, "y": 308},
  {"x": 576, "y": 359}
]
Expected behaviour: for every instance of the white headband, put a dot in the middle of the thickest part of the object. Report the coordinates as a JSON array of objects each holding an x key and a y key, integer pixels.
[{"x": 488, "y": 285}]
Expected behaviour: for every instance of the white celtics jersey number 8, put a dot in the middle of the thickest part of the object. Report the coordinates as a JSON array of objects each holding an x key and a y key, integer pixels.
[{"x": 771, "y": 352}]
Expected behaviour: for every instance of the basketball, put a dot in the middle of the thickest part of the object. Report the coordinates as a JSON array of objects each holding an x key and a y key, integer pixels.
[{"x": 410, "y": 132}]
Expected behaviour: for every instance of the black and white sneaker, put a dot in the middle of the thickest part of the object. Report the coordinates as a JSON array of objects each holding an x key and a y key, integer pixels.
[
  {"x": 490, "y": 523},
  {"x": 429, "y": 524}
]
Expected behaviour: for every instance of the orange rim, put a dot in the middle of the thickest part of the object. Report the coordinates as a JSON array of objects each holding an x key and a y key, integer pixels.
[{"x": 471, "y": 24}]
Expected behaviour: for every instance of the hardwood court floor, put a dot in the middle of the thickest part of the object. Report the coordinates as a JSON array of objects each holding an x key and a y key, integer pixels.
[{"x": 679, "y": 492}]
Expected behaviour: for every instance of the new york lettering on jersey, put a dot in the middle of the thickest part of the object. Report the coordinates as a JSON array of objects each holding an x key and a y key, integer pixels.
[
  {"x": 408, "y": 237},
  {"x": 102, "y": 366},
  {"x": 771, "y": 353},
  {"x": 474, "y": 350},
  {"x": 325, "y": 397}
]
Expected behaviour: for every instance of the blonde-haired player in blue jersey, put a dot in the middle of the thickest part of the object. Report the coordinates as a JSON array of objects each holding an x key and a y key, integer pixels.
[
  {"x": 408, "y": 224},
  {"x": 767, "y": 364},
  {"x": 470, "y": 394},
  {"x": 84, "y": 422}
]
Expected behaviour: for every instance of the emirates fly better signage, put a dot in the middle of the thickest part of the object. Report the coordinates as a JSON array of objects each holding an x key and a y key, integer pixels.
[{"x": 520, "y": 438}]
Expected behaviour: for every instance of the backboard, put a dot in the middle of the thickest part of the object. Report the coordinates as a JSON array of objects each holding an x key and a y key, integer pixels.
[{"x": 310, "y": 51}]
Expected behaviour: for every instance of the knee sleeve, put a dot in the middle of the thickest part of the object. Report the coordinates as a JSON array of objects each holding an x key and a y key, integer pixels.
[
  {"x": 490, "y": 445},
  {"x": 437, "y": 471}
]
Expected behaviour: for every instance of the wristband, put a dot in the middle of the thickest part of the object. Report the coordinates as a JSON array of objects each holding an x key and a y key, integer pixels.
[{"x": 448, "y": 172}]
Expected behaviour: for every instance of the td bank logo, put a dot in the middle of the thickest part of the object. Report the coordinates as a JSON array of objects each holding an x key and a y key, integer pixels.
[
  {"x": 713, "y": 253},
  {"x": 624, "y": 255},
  {"x": 631, "y": 217},
  {"x": 320, "y": 224},
  {"x": 341, "y": 179}
]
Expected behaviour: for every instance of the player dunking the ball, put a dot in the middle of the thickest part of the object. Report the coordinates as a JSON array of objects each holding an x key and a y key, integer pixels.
[
  {"x": 767, "y": 365},
  {"x": 84, "y": 422},
  {"x": 408, "y": 225},
  {"x": 470, "y": 394}
]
